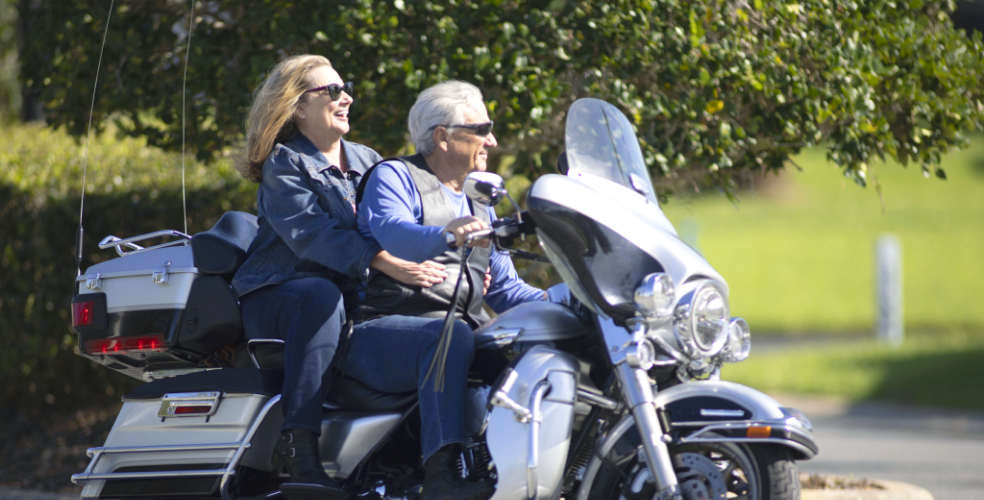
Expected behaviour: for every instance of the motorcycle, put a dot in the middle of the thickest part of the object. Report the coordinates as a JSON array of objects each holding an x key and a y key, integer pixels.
[{"x": 609, "y": 390}]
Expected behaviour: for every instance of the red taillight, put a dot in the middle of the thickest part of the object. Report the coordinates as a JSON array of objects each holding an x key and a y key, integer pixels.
[
  {"x": 185, "y": 410},
  {"x": 82, "y": 313},
  {"x": 119, "y": 345}
]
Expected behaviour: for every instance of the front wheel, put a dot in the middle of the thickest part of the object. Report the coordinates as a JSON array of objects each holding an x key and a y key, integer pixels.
[{"x": 704, "y": 471}]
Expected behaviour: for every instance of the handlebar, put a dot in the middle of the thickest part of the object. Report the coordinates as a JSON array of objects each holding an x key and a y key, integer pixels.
[{"x": 450, "y": 238}]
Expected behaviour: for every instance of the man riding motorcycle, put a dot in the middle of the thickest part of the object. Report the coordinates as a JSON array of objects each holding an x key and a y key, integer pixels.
[{"x": 408, "y": 205}]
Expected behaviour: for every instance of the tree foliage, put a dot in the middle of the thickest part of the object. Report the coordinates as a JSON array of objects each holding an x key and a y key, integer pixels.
[{"x": 716, "y": 88}]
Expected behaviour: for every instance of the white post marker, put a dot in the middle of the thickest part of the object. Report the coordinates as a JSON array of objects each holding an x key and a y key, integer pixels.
[{"x": 890, "y": 324}]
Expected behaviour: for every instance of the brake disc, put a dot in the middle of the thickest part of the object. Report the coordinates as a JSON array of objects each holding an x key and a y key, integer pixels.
[{"x": 699, "y": 477}]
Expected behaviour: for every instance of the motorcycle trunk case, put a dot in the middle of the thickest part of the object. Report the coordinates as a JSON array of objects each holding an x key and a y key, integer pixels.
[{"x": 157, "y": 300}]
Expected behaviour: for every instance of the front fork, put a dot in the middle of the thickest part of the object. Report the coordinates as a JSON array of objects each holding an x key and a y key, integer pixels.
[{"x": 637, "y": 391}]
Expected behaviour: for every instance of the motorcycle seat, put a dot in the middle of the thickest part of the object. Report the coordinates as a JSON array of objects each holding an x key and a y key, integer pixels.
[
  {"x": 344, "y": 393},
  {"x": 347, "y": 393},
  {"x": 222, "y": 249}
]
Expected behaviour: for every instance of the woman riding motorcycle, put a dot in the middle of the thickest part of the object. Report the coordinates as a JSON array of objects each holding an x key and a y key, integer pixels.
[{"x": 307, "y": 258}]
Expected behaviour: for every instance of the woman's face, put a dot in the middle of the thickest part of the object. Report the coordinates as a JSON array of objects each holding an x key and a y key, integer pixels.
[{"x": 321, "y": 117}]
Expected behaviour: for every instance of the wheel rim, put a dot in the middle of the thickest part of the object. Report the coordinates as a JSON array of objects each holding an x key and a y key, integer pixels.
[{"x": 734, "y": 476}]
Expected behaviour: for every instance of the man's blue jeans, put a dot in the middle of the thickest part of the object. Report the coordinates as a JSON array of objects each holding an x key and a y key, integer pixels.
[
  {"x": 392, "y": 354},
  {"x": 308, "y": 314}
]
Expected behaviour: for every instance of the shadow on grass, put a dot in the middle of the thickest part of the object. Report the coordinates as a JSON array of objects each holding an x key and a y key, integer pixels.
[
  {"x": 977, "y": 165},
  {"x": 948, "y": 379}
]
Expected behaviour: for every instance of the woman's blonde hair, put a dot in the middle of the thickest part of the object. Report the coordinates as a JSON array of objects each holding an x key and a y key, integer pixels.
[{"x": 271, "y": 117}]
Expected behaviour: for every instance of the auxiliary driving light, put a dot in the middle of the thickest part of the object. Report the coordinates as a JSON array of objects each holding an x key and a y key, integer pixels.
[
  {"x": 739, "y": 342},
  {"x": 654, "y": 296}
]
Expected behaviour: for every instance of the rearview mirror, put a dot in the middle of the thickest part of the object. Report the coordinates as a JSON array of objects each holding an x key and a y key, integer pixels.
[{"x": 485, "y": 187}]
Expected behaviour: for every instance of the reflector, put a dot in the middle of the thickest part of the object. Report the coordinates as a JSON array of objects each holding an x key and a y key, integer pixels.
[
  {"x": 119, "y": 345},
  {"x": 82, "y": 313},
  {"x": 759, "y": 432},
  {"x": 184, "y": 410}
]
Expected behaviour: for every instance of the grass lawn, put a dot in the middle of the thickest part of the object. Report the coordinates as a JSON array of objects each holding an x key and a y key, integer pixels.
[
  {"x": 940, "y": 370},
  {"x": 798, "y": 253}
]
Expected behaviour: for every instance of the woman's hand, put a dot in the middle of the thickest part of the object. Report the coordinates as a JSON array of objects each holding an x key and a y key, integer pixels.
[
  {"x": 488, "y": 281},
  {"x": 425, "y": 274}
]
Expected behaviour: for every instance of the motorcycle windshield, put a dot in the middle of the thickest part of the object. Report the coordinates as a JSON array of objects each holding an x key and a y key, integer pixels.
[{"x": 600, "y": 141}]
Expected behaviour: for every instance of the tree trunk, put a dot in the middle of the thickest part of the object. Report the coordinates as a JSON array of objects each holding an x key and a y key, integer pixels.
[{"x": 31, "y": 109}]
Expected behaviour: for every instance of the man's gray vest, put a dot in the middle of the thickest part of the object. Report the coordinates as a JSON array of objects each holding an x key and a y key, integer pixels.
[{"x": 385, "y": 296}]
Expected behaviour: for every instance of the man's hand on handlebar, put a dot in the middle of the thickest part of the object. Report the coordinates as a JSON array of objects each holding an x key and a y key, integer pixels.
[{"x": 462, "y": 227}]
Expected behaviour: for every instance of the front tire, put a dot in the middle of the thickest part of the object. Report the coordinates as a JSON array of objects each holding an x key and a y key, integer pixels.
[
  {"x": 781, "y": 476},
  {"x": 719, "y": 470}
]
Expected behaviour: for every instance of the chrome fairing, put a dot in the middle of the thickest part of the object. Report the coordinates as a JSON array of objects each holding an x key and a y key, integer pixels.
[
  {"x": 612, "y": 237},
  {"x": 530, "y": 456},
  {"x": 723, "y": 411},
  {"x": 530, "y": 322}
]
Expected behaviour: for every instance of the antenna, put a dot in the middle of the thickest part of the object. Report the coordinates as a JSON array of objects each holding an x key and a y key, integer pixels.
[
  {"x": 85, "y": 160},
  {"x": 184, "y": 83}
]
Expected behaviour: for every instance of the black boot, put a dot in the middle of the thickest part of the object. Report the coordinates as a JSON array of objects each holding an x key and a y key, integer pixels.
[
  {"x": 442, "y": 481},
  {"x": 298, "y": 449}
]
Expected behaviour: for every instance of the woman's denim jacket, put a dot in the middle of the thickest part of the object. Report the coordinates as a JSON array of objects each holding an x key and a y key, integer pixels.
[{"x": 307, "y": 223}]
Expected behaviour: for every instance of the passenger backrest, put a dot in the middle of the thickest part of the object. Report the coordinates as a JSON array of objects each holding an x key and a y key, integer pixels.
[{"x": 222, "y": 249}]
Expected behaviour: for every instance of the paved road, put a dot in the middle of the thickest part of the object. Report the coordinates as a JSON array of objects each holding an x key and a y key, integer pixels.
[{"x": 941, "y": 451}]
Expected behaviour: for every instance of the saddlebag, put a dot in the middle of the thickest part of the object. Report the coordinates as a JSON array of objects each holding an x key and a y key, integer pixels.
[
  {"x": 159, "y": 312},
  {"x": 190, "y": 437}
]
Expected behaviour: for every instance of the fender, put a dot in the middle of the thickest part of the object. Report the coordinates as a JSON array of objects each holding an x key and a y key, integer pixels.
[
  {"x": 735, "y": 413},
  {"x": 715, "y": 411}
]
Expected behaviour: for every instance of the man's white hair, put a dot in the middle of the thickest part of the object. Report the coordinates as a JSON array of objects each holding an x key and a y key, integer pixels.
[{"x": 442, "y": 104}]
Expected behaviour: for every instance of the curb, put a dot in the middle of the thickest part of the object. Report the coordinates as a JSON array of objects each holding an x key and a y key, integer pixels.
[
  {"x": 17, "y": 494},
  {"x": 894, "y": 490}
]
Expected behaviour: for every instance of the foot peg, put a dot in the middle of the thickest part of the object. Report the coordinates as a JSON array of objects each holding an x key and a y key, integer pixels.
[{"x": 308, "y": 491}]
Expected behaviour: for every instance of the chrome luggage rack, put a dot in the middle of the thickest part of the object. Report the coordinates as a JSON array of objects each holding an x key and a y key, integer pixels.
[
  {"x": 226, "y": 474},
  {"x": 115, "y": 242}
]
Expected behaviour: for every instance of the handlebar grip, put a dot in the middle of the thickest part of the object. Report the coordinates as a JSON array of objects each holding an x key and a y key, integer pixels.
[
  {"x": 479, "y": 235},
  {"x": 450, "y": 239}
]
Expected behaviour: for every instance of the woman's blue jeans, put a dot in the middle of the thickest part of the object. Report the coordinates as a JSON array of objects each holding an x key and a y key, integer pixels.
[
  {"x": 392, "y": 354},
  {"x": 308, "y": 315}
]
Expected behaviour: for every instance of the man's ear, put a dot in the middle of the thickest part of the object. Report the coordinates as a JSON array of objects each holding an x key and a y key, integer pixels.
[{"x": 441, "y": 136}]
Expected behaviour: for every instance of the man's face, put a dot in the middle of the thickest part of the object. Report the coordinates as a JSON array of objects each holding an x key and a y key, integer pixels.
[{"x": 465, "y": 147}]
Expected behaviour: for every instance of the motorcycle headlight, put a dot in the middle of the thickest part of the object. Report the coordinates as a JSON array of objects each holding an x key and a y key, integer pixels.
[
  {"x": 654, "y": 296},
  {"x": 739, "y": 342},
  {"x": 701, "y": 320}
]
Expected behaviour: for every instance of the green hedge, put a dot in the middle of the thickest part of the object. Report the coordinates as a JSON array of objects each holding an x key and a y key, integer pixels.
[{"x": 130, "y": 189}]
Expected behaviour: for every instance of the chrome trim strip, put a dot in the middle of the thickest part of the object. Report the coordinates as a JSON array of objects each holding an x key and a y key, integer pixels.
[
  {"x": 164, "y": 474},
  {"x": 254, "y": 342},
  {"x": 784, "y": 442},
  {"x": 159, "y": 374},
  {"x": 708, "y": 412},
  {"x": 163, "y": 448},
  {"x": 142, "y": 272},
  {"x": 597, "y": 400},
  {"x": 114, "y": 242},
  {"x": 803, "y": 434},
  {"x": 184, "y": 396},
  {"x": 533, "y": 458}
]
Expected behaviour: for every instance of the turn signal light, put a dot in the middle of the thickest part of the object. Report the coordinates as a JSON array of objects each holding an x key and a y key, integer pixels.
[
  {"x": 759, "y": 432},
  {"x": 82, "y": 313},
  {"x": 120, "y": 345}
]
